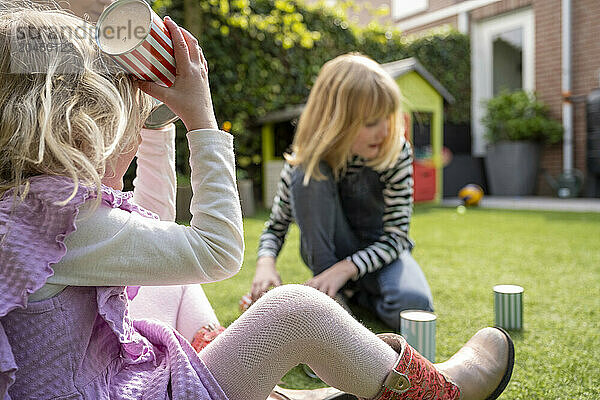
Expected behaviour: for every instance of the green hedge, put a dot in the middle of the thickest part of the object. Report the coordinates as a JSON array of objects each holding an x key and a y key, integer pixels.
[{"x": 265, "y": 54}]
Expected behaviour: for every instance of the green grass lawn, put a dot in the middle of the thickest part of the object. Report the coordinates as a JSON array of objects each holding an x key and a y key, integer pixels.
[{"x": 554, "y": 256}]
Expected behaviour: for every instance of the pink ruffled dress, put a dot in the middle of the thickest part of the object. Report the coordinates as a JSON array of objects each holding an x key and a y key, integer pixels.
[{"x": 80, "y": 344}]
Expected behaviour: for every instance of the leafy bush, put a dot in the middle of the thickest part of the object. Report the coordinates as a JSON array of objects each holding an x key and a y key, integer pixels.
[
  {"x": 264, "y": 55},
  {"x": 447, "y": 55},
  {"x": 517, "y": 116}
]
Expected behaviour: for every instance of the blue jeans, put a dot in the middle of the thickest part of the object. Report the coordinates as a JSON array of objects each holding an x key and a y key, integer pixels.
[{"x": 336, "y": 219}]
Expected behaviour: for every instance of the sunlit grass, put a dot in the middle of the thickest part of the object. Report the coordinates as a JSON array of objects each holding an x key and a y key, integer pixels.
[{"x": 554, "y": 256}]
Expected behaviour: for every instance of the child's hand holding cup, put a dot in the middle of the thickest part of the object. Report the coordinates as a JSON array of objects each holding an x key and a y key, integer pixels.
[{"x": 165, "y": 57}]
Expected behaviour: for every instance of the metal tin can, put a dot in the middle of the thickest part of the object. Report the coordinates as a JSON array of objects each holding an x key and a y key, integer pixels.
[
  {"x": 508, "y": 306},
  {"x": 418, "y": 328},
  {"x": 136, "y": 37}
]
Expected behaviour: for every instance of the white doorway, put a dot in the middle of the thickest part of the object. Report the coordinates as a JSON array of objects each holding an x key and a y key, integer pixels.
[{"x": 502, "y": 57}]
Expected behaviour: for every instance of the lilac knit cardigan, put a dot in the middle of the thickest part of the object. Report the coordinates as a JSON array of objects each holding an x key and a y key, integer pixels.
[{"x": 80, "y": 344}]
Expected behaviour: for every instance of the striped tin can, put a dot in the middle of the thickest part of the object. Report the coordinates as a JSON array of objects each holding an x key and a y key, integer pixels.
[
  {"x": 136, "y": 37},
  {"x": 508, "y": 306},
  {"x": 418, "y": 328}
]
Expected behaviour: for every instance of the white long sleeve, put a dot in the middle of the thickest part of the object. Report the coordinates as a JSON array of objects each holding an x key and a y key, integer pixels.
[
  {"x": 115, "y": 247},
  {"x": 155, "y": 183},
  {"x": 184, "y": 307}
]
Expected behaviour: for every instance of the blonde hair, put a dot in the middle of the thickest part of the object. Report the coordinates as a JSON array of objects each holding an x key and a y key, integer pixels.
[
  {"x": 350, "y": 91},
  {"x": 61, "y": 112}
]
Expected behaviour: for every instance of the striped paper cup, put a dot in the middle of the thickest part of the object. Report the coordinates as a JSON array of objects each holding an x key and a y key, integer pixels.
[
  {"x": 418, "y": 328},
  {"x": 137, "y": 38},
  {"x": 508, "y": 306}
]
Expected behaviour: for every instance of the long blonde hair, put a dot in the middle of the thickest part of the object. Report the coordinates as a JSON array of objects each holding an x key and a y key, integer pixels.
[
  {"x": 61, "y": 112},
  {"x": 350, "y": 91}
]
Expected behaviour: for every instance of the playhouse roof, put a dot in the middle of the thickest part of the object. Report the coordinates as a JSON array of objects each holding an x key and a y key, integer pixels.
[
  {"x": 394, "y": 68},
  {"x": 402, "y": 67}
]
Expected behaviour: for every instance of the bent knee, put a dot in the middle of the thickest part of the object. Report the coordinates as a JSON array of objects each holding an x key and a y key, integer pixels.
[
  {"x": 297, "y": 301},
  {"x": 291, "y": 292}
]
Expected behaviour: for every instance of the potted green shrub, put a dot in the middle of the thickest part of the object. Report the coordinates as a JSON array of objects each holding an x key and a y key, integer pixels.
[{"x": 516, "y": 123}]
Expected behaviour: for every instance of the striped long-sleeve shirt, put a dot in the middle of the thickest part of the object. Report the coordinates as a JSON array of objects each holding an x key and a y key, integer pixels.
[{"x": 397, "y": 197}]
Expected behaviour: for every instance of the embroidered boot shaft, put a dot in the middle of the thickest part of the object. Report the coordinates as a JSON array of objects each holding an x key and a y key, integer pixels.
[
  {"x": 414, "y": 377},
  {"x": 480, "y": 370}
]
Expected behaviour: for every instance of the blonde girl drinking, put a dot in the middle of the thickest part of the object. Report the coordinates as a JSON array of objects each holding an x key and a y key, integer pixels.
[{"x": 70, "y": 245}]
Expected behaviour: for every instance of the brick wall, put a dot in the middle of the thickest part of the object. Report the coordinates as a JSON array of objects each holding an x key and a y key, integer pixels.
[
  {"x": 452, "y": 21},
  {"x": 435, "y": 5},
  {"x": 548, "y": 78},
  {"x": 363, "y": 18},
  {"x": 585, "y": 67},
  {"x": 500, "y": 7},
  {"x": 585, "y": 64}
]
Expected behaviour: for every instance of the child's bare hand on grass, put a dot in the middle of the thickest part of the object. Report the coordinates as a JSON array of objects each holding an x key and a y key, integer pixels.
[{"x": 333, "y": 278}]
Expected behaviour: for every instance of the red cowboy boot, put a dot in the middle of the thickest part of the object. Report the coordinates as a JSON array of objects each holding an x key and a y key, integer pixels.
[
  {"x": 480, "y": 370},
  {"x": 205, "y": 335}
]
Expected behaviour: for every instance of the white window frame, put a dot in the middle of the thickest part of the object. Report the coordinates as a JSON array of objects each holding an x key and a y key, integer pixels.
[
  {"x": 399, "y": 12},
  {"x": 482, "y": 36}
]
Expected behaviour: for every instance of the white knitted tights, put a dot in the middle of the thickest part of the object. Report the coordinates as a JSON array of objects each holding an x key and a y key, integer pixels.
[{"x": 295, "y": 324}]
